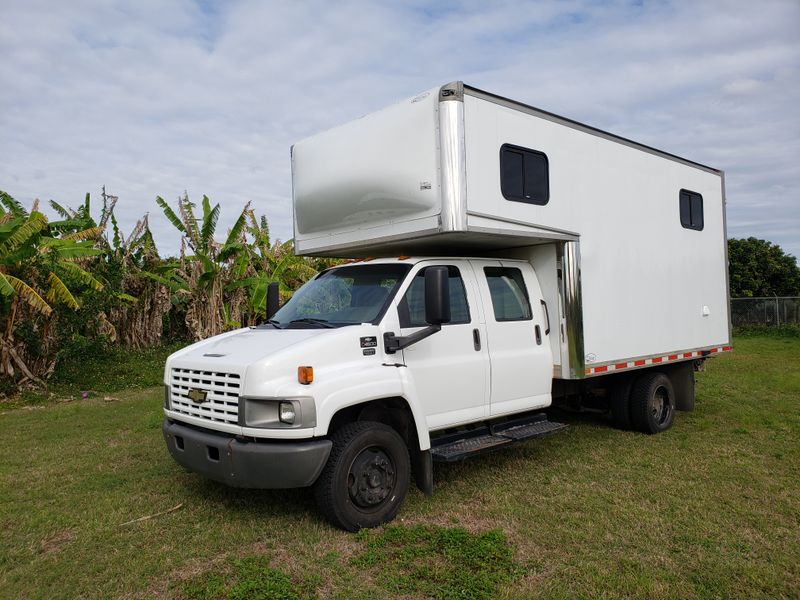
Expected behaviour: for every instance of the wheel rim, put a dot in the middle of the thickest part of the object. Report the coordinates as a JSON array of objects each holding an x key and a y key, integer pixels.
[
  {"x": 660, "y": 406},
  {"x": 371, "y": 478}
]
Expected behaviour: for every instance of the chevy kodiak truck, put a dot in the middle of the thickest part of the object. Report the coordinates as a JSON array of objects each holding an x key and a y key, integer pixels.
[{"x": 505, "y": 258}]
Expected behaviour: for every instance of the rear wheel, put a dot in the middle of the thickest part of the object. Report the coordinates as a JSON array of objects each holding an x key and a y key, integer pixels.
[
  {"x": 652, "y": 403},
  {"x": 366, "y": 478},
  {"x": 620, "y": 403}
]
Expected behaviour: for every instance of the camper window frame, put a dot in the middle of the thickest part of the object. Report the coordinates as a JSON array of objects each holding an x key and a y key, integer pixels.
[
  {"x": 690, "y": 199},
  {"x": 527, "y": 153}
]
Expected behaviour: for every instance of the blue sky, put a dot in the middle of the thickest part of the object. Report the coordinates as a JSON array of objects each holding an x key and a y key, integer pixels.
[{"x": 154, "y": 98}]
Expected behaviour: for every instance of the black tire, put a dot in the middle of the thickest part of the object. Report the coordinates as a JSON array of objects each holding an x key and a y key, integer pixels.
[
  {"x": 366, "y": 477},
  {"x": 620, "y": 403},
  {"x": 652, "y": 403}
]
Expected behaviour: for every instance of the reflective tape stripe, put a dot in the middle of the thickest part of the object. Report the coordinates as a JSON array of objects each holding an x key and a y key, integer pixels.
[{"x": 654, "y": 360}]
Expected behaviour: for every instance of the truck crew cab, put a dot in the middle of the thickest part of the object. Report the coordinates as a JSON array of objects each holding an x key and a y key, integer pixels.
[{"x": 504, "y": 258}]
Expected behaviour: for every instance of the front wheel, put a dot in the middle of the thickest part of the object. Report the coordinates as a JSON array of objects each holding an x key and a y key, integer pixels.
[
  {"x": 366, "y": 477},
  {"x": 652, "y": 403}
]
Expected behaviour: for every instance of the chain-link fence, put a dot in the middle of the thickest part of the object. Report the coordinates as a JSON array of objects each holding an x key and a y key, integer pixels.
[{"x": 773, "y": 311}]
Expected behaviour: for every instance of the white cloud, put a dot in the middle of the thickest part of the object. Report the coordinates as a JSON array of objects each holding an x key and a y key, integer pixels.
[{"x": 152, "y": 98}]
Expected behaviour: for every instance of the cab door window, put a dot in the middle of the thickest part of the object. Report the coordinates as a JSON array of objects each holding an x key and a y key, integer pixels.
[
  {"x": 509, "y": 294},
  {"x": 412, "y": 307}
]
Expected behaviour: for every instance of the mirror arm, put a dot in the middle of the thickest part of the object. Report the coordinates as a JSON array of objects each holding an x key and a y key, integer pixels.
[{"x": 393, "y": 343}]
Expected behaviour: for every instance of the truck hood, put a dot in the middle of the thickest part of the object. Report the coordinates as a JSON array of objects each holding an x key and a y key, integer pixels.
[{"x": 239, "y": 348}]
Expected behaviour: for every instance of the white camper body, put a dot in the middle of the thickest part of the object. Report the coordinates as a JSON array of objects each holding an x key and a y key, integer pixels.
[
  {"x": 423, "y": 176},
  {"x": 505, "y": 259}
]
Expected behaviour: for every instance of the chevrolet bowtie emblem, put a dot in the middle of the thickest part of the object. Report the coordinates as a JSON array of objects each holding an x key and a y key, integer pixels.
[{"x": 197, "y": 396}]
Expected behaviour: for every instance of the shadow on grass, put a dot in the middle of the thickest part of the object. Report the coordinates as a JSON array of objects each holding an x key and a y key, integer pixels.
[{"x": 242, "y": 502}]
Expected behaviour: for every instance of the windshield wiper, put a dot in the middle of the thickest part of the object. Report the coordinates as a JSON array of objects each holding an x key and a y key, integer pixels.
[
  {"x": 313, "y": 321},
  {"x": 274, "y": 322}
]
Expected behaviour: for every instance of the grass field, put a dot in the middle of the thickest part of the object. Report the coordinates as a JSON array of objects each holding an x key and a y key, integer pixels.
[{"x": 710, "y": 509}]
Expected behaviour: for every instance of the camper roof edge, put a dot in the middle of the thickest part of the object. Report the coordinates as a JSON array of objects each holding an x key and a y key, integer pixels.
[{"x": 456, "y": 90}]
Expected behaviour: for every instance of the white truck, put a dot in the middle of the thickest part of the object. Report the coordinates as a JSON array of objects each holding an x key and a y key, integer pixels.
[{"x": 505, "y": 258}]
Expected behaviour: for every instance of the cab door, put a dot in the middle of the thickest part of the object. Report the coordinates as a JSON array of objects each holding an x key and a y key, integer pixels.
[
  {"x": 517, "y": 336},
  {"x": 449, "y": 370}
]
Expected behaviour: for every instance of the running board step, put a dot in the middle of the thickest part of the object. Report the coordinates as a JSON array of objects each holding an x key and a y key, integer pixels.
[{"x": 458, "y": 446}]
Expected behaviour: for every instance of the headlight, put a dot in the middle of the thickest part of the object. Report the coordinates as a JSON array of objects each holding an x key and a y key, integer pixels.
[
  {"x": 277, "y": 413},
  {"x": 286, "y": 413}
]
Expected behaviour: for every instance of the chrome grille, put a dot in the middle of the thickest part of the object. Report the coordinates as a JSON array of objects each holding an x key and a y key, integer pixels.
[{"x": 222, "y": 399}]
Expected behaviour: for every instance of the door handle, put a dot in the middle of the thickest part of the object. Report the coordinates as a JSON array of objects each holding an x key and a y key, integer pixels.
[
  {"x": 546, "y": 316},
  {"x": 538, "y": 336},
  {"x": 476, "y": 339}
]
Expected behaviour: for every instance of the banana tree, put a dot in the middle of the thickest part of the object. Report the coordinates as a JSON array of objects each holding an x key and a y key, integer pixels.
[
  {"x": 207, "y": 266},
  {"x": 145, "y": 285},
  {"x": 264, "y": 263},
  {"x": 36, "y": 272}
]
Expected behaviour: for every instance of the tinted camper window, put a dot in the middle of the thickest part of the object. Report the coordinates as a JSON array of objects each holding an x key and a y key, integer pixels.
[
  {"x": 691, "y": 210},
  {"x": 523, "y": 175}
]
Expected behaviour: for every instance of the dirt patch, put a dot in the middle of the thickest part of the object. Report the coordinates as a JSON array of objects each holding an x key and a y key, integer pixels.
[
  {"x": 163, "y": 587},
  {"x": 56, "y": 541}
]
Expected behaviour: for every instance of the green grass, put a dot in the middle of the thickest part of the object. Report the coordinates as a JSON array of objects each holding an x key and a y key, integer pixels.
[
  {"x": 98, "y": 375},
  {"x": 710, "y": 509}
]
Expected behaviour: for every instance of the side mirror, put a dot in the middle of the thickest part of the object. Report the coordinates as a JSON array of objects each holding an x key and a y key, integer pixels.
[
  {"x": 437, "y": 295},
  {"x": 437, "y": 310},
  {"x": 273, "y": 299}
]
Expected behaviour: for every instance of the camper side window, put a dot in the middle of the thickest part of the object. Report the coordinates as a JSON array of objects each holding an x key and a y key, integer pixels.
[
  {"x": 691, "y": 207},
  {"x": 524, "y": 175},
  {"x": 411, "y": 308}
]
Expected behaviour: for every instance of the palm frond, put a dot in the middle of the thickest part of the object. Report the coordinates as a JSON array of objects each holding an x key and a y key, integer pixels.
[
  {"x": 186, "y": 208},
  {"x": 29, "y": 295},
  {"x": 92, "y": 233},
  {"x": 75, "y": 224},
  {"x": 85, "y": 211},
  {"x": 170, "y": 214},
  {"x": 9, "y": 223},
  {"x": 59, "y": 292},
  {"x": 241, "y": 265},
  {"x": 29, "y": 228},
  {"x": 109, "y": 202},
  {"x": 229, "y": 250},
  {"x": 248, "y": 282},
  {"x": 75, "y": 250},
  {"x": 12, "y": 205},
  {"x": 210, "y": 218},
  {"x": 149, "y": 244},
  {"x": 236, "y": 231},
  {"x": 175, "y": 285},
  {"x": 6, "y": 289},
  {"x": 258, "y": 294},
  {"x": 64, "y": 213},
  {"x": 81, "y": 275},
  {"x": 117, "y": 240}
]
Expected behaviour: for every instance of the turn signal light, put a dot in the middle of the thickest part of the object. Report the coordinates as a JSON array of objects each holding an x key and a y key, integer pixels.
[{"x": 305, "y": 375}]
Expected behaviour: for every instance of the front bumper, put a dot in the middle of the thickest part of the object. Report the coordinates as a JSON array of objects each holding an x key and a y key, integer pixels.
[{"x": 261, "y": 465}]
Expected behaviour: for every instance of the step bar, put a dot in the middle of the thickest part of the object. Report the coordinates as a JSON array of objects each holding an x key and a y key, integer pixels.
[{"x": 453, "y": 447}]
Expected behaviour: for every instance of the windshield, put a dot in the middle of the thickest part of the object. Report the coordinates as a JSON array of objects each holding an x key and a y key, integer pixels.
[{"x": 342, "y": 296}]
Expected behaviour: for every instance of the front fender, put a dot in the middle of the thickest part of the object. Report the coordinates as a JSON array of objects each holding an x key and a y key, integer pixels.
[{"x": 358, "y": 385}]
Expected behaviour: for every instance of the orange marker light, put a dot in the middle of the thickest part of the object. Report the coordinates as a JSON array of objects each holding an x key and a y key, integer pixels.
[{"x": 305, "y": 375}]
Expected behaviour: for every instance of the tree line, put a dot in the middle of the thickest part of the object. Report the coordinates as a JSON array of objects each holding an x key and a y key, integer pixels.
[
  {"x": 758, "y": 268},
  {"x": 74, "y": 284}
]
